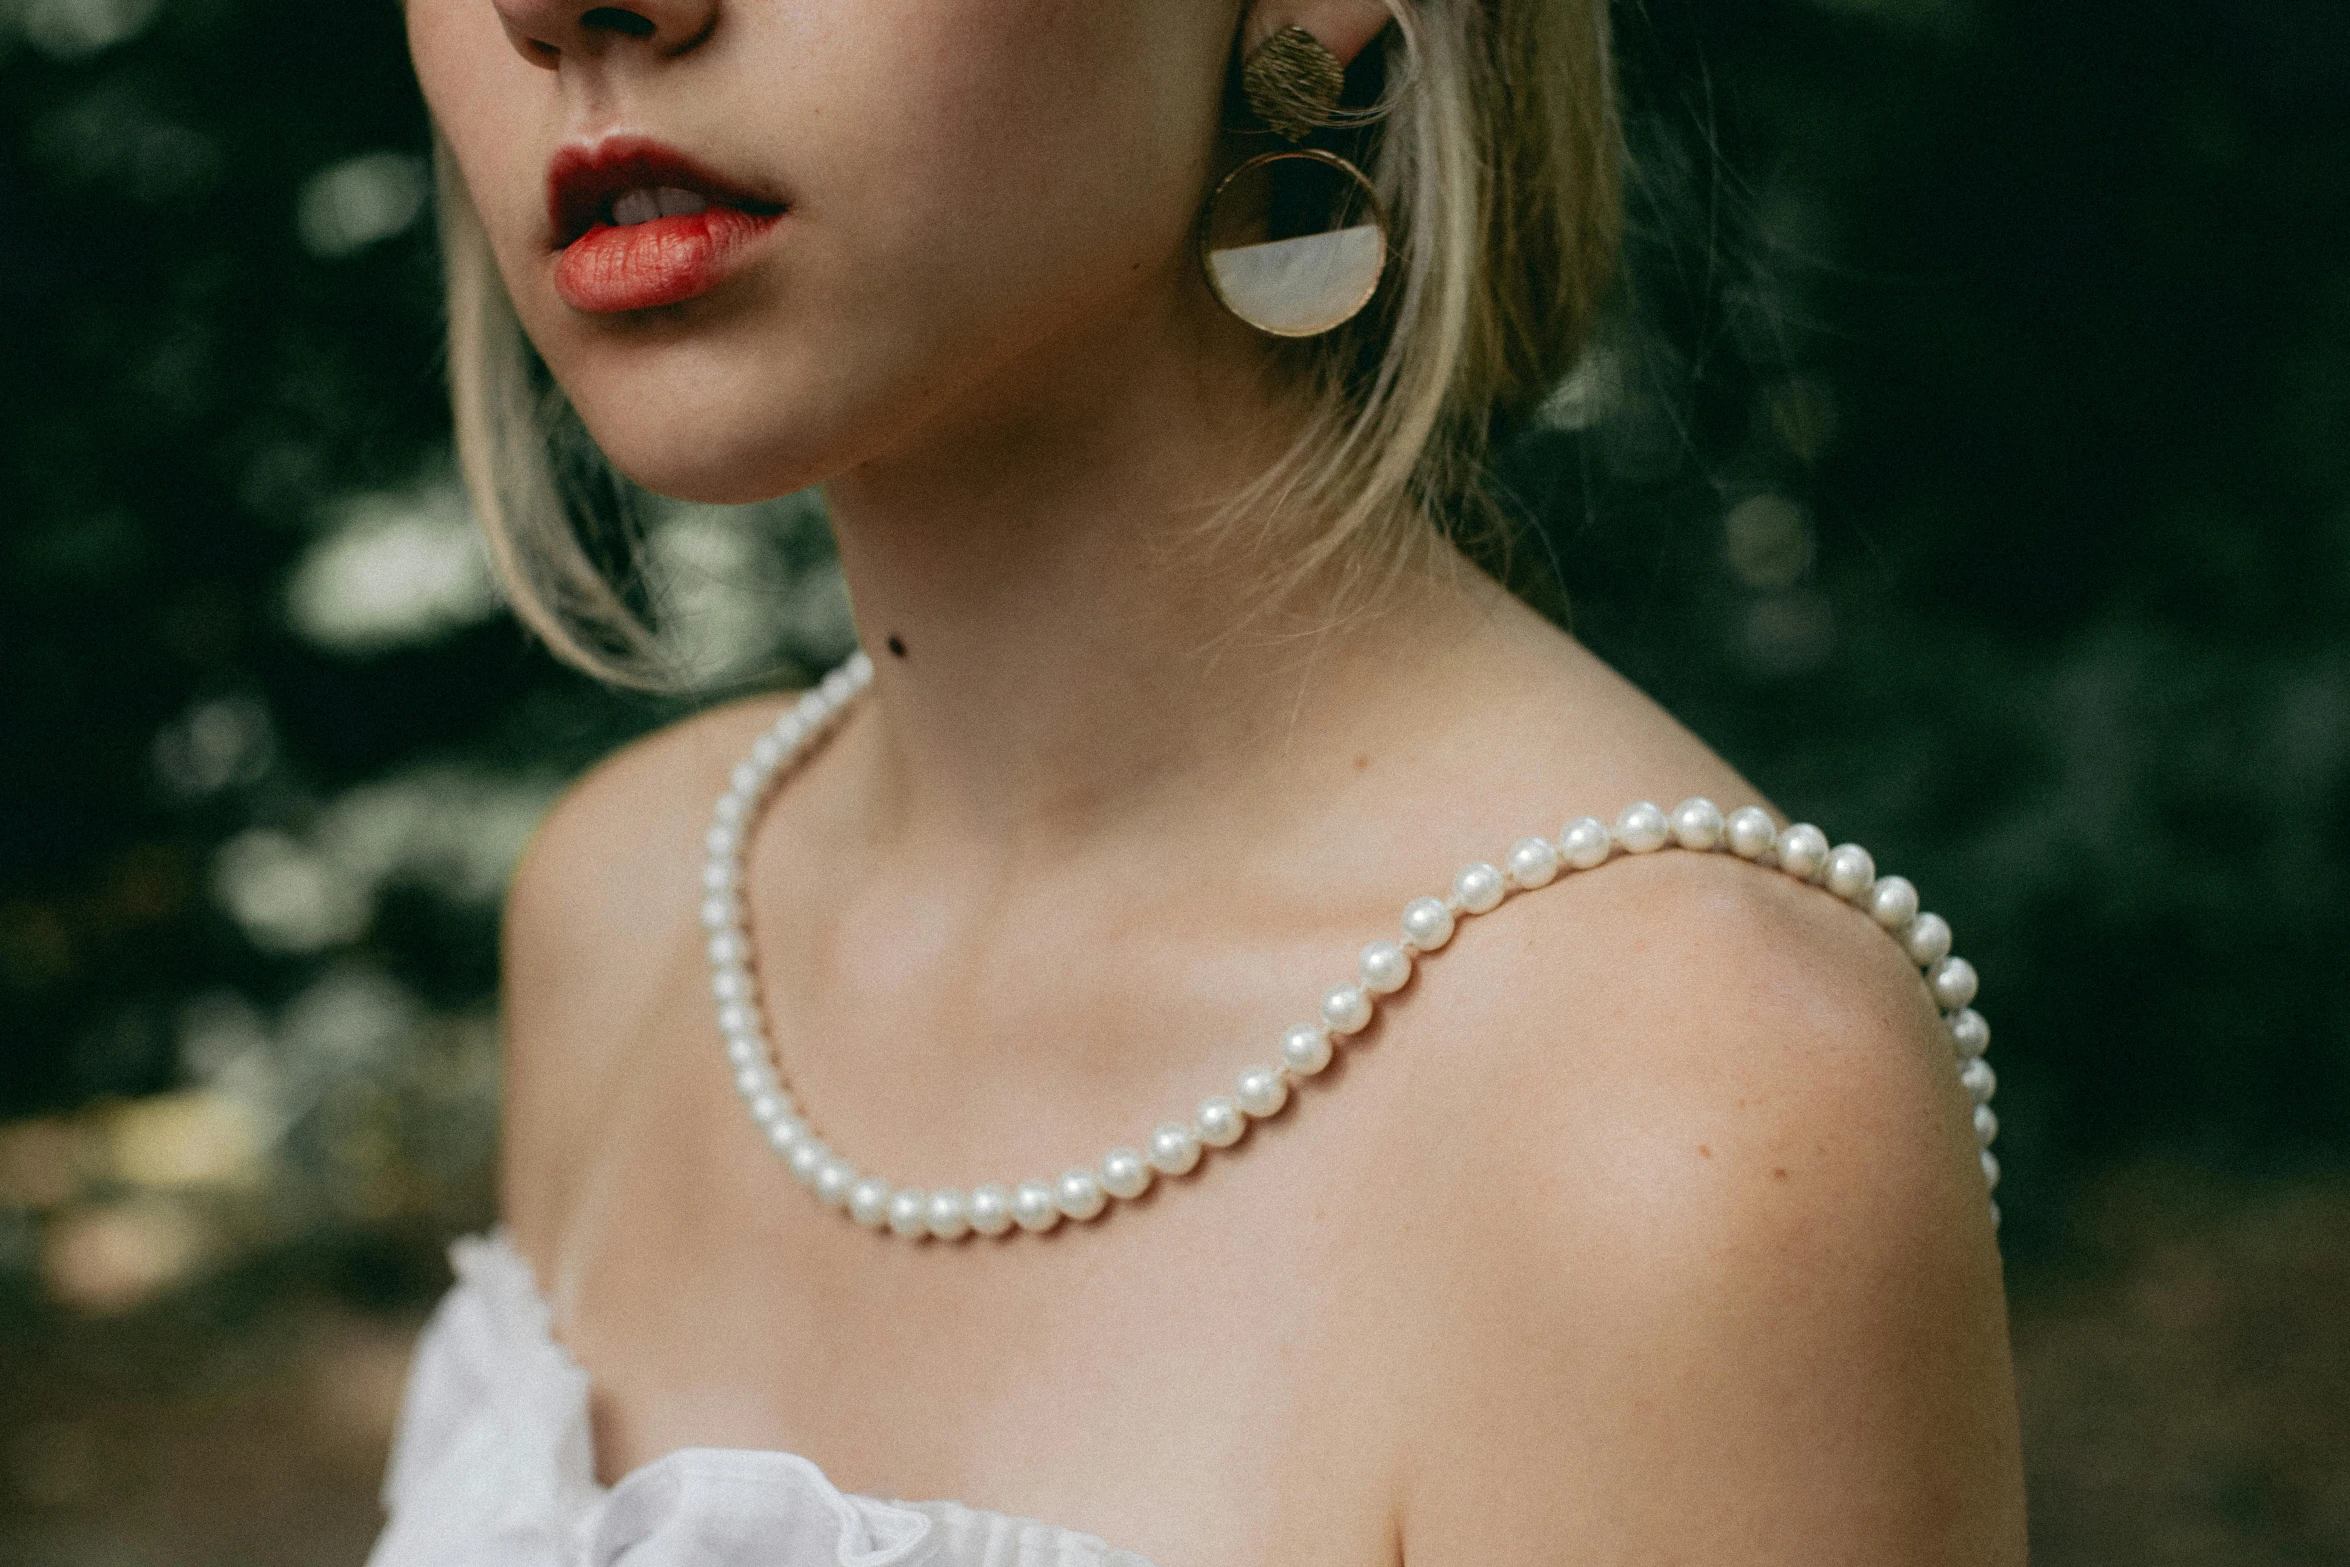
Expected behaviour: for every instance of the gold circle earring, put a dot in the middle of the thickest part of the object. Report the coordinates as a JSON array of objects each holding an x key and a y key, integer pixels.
[{"x": 1294, "y": 242}]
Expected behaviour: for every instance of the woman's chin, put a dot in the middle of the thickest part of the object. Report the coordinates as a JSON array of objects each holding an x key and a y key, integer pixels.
[
  {"x": 711, "y": 490},
  {"x": 705, "y": 471}
]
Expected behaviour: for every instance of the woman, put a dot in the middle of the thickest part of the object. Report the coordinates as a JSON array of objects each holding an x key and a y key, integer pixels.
[{"x": 1640, "y": 1219}]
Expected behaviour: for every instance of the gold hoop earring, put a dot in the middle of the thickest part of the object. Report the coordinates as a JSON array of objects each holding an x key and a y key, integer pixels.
[{"x": 1294, "y": 243}]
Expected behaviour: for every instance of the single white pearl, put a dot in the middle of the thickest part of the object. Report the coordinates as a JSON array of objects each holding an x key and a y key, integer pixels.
[
  {"x": 1479, "y": 887},
  {"x": 767, "y": 1109},
  {"x": 909, "y": 1213},
  {"x": 747, "y": 779},
  {"x": 810, "y": 709},
  {"x": 1849, "y": 872},
  {"x": 949, "y": 1220},
  {"x": 1697, "y": 824},
  {"x": 1927, "y": 941},
  {"x": 722, "y": 840},
  {"x": 1386, "y": 968},
  {"x": 1980, "y": 1081},
  {"x": 1953, "y": 982},
  {"x": 1969, "y": 1034},
  {"x": 785, "y": 1134},
  {"x": 1427, "y": 923},
  {"x": 755, "y": 1079},
  {"x": 1995, "y": 1216},
  {"x": 806, "y": 1159},
  {"x": 1990, "y": 1169},
  {"x": 1261, "y": 1091},
  {"x": 869, "y": 1202},
  {"x": 1533, "y": 863},
  {"x": 744, "y": 1050},
  {"x": 834, "y": 1181},
  {"x": 1749, "y": 832},
  {"x": 1124, "y": 1173},
  {"x": 1893, "y": 902},
  {"x": 1219, "y": 1122},
  {"x": 718, "y": 913},
  {"x": 731, "y": 808},
  {"x": 767, "y": 751},
  {"x": 1584, "y": 842},
  {"x": 990, "y": 1209},
  {"x": 1033, "y": 1208},
  {"x": 1642, "y": 828},
  {"x": 1174, "y": 1149},
  {"x": 1078, "y": 1195},
  {"x": 729, "y": 949},
  {"x": 1305, "y": 1049},
  {"x": 1347, "y": 1009},
  {"x": 1986, "y": 1125},
  {"x": 1803, "y": 849},
  {"x": 741, "y": 1017},
  {"x": 731, "y": 983}
]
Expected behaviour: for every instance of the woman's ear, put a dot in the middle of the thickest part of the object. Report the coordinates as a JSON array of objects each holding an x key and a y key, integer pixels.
[{"x": 1344, "y": 27}]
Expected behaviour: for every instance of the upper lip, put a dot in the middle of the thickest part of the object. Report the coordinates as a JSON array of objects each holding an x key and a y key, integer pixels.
[{"x": 585, "y": 178}]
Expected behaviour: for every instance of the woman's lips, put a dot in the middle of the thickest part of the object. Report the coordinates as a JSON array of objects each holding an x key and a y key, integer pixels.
[
  {"x": 638, "y": 225},
  {"x": 638, "y": 266}
]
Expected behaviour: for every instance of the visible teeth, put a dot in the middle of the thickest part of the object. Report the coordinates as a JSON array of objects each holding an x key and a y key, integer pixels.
[
  {"x": 666, "y": 201},
  {"x": 637, "y": 206}
]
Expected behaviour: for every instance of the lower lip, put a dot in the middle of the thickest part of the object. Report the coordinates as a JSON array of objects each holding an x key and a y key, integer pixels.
[{"x": 643, "y": 266}]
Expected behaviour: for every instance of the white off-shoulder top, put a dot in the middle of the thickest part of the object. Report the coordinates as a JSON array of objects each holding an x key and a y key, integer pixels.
[{"x": 494, "y": 1466}]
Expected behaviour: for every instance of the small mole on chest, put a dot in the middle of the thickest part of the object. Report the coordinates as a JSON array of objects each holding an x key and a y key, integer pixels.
[{"x": 896, "y": 645}]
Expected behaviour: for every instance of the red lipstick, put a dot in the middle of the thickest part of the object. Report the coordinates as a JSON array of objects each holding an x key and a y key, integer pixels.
[{"x": 638, "y": 225}]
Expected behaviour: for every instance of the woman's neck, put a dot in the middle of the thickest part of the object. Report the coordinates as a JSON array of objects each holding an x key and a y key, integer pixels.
[{"x": 1078, "y": 644}]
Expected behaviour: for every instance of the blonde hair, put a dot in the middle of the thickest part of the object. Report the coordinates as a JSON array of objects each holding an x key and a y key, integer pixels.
[{"x": 1497, "y": 153}]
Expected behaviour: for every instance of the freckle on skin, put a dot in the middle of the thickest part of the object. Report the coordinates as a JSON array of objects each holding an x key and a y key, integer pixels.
[
  {"x": 1704, "y": 1152},
  {"x": 1362, "y": 762},
  {"x": 1778, "y": 1174}
]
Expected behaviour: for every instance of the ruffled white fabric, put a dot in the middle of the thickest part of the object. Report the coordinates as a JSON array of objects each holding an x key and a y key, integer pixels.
[{"x": 494, "y": 1466}]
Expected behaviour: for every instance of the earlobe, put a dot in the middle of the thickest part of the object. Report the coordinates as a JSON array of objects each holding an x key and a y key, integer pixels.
[{"x": 1344, "y": 27}]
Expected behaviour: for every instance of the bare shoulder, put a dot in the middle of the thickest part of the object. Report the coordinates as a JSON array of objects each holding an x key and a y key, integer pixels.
[
  {"x": 1723, "y": 1284},
  {"x": 607, "y": 890}
]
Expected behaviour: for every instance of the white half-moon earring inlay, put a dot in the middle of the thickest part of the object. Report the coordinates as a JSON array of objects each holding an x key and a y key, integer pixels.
[{"x": 1301, "y": 287}]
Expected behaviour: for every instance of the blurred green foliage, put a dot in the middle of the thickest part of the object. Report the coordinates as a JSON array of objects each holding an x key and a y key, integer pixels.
[
  {"x": 1969, "y": 460},
  {"x": 2042, "y": 315}
]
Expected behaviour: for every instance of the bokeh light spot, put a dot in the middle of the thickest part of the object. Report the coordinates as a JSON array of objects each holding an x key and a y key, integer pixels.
[
  {"x": 397, "y": 569},
  {"x": 362, "y": 201}
]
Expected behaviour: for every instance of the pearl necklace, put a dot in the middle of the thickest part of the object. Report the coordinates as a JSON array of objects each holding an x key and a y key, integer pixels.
[{"x": 1176, "y": 1147}]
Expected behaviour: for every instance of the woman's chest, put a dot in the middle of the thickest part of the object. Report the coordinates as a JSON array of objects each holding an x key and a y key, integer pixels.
[{"x": 1216, "y": 1373}]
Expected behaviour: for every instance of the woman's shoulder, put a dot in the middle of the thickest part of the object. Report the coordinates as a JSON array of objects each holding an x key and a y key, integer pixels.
[
  {"x": 620, "y": 851},
  {"x": 1720, "y": 1234},
  {"x": 1729, "y": 997},
  {"x": 605, "y": 894}
]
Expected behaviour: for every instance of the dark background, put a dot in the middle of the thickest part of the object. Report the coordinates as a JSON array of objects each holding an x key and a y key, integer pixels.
[{"x": 1968, "y": 459}]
